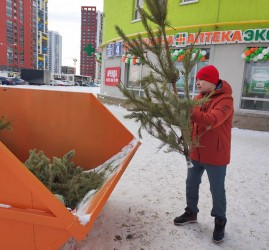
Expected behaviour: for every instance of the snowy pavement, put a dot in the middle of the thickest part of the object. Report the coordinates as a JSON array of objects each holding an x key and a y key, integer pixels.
[{"x": 139, "y": 214}]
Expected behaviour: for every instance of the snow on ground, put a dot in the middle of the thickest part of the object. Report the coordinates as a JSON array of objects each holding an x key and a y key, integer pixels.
[
  {"x": 139, "y": 213},
  {"x": 94, "y": 90}
]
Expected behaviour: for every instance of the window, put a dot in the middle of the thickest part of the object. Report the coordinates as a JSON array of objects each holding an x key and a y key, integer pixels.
[
  {"x": 192, "y": 81},
  {"x": 8, "y": 10},
  {"x": 138, "y": 3},
  {"x": 135, "y": 72},
  {"x": 188, "y": 1},
  {"x": 9, "y": 28},
  {"x": 10, "y": 55},
  {"x": 134, "y": 76},
  {"x": 255, "y": 91}
]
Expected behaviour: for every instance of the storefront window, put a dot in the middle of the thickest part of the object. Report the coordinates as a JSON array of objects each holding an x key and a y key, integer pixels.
[
  {"x": 255, "y": 92},
  {"x": 178, "y": 56},
  {"x": 135, "y": 73},
  {"x": 192, "y": 81}
]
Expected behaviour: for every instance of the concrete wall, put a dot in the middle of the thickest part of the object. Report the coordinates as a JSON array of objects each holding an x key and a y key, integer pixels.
[
  {"x": 255, "y": 121},
  {"x": 112, "y": 90},
  {"x": 227, "y": 58}
]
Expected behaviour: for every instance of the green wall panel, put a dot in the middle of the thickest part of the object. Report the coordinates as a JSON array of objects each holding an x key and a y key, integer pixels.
[{"x": 119, "y": 12}]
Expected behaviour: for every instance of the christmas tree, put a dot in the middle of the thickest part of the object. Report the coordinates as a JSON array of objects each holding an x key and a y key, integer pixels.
[
  {"x": 161, "y": 111},
  {"x": 4, "y": 124},
  {"x": 63, "y": 178}
]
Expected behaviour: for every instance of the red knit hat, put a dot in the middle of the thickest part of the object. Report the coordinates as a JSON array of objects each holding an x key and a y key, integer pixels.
[{"x": 208, "y": 73}]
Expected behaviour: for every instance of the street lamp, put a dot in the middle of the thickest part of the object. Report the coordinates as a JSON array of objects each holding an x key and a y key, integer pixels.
[
  {"x": 9, "y": 46},
  {"x": 75, "y": 61}
]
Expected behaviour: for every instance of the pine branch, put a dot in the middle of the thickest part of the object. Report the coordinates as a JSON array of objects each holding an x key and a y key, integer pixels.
[
  {"x": 4, "y": 124},
  {"x": 62, "y": 177},
  {"x": 161, "y": 111}
]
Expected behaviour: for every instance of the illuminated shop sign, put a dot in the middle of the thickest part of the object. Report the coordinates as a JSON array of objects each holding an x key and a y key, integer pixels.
[
  {"x": 220, "y": 37},
  {"x": 112, "y": 76},
  {"x": 184, "y": 39}
]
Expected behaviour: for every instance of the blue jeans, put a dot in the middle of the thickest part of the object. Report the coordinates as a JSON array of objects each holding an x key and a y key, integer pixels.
[{"x": 216, "y": 176}]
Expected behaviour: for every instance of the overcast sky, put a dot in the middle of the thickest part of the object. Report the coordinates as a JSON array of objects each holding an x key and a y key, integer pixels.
[{"x": 64, "y": 17}]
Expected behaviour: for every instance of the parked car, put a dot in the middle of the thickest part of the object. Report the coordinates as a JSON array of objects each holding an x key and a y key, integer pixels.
[
  {"x": 56, "y": 83},
  {"x": 69, "y": 83},
  {"x": 52, "y": 82},
  {"x": 62, "y": 83},
  {"x": 19, "y": 81},
  {"x": 6, "y": 80},
  {"x": 91, "y": 84},
  {"x": 78, "y": 83}
]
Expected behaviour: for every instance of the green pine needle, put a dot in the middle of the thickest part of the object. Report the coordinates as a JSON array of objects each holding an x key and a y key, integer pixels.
[
  {"x": 62, "y": 177},
  {"x": 4, "y": 124},
  {"x": 161, "y": 111}
]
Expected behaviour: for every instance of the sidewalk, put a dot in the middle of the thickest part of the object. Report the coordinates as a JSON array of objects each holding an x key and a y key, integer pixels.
[{"x": 139, "y": 214}]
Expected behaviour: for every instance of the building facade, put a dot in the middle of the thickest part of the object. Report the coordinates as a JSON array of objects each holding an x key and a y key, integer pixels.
[
  {"x": 91, "y": 38},
  {"x": 55, "y": 52},
  {"x": 68, "y": 70},
  {"x": 41, "y": 35},
  {"x": 234, "y": 37},
  {"x": 99, "y": 40},
  {"x": 15, "y": 37},
  {"x": 23, "y": 40}
]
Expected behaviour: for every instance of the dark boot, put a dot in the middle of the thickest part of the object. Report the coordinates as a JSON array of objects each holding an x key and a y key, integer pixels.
[
  {"x": 187, "y": 217},
  {"x": 219, "y": 230}
]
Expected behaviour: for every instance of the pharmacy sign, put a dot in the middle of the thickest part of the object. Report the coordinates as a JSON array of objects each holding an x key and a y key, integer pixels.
[{"x": 183, "y": 39}]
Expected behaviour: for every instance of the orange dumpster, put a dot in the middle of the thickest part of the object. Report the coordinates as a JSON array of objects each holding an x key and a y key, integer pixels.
[{"x": 31, "y": 217}]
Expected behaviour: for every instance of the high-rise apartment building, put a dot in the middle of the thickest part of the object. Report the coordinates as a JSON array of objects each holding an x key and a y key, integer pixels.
[
  {"x": 99, "y": 36},
  {"x": 41, "y": 38},
  {"x": 91, "y": 38},
  {"x": 23, "y": 36},
  {"x": 55, "y": 52}
]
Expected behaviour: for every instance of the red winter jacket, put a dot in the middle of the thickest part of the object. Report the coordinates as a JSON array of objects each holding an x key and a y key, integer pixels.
[{"x": 212, "y": 123}]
